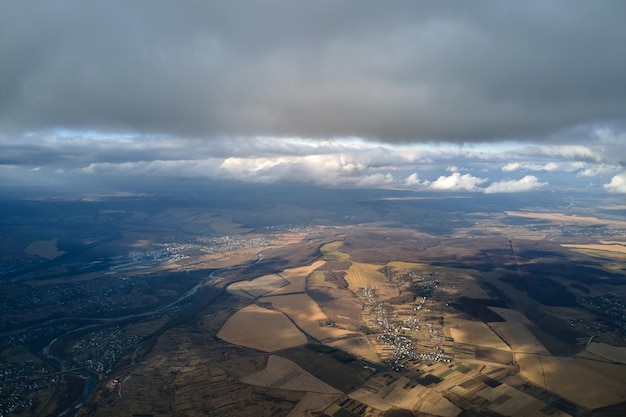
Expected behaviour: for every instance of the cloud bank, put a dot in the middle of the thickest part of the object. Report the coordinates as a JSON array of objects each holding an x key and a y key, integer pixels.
[
  {"x": 338, "y": 163},
  {"x": 418, "y": 71}
]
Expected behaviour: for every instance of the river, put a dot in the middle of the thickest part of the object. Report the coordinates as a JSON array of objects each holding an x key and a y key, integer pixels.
[{"x": 83, "y": 374}]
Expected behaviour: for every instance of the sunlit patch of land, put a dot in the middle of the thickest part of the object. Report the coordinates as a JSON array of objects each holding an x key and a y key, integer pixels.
[
  {"x": 259, "y": 328},
  {"x": 318, "y": 279},
  {"x": 613, "y": 242},
  {"x": 257, "y": 287},
  {"x": 46, "y": 249},
  {"x": 616, "y": 371},
  {"x": 425, "y": 268},
  {"x": 296, "y": 278},
  {"x": 382, "y": 392},
  {"x": 519, "y": 338},
  {"x": 612, "y": 353},
  {"x": 331, "y": 252},
  {"x": 599, "y": 247},
  {"x": 565, "y": 218},
  {"x": 509, "y": 401},
  {"x": 300, "y": 307},
  {"x": 362, "y": 275},
  {"x": 568, "y": 378},
  {"x": 223, "y": 259},
  {"x": 475, "y": 333},
  {"x": 306, "y": 314},
  {"x": 613, "y": 260},
  {"x": 514, "y": 331}
]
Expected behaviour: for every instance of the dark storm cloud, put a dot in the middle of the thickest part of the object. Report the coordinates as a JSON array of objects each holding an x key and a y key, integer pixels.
[{"x": 393, "y": 71}]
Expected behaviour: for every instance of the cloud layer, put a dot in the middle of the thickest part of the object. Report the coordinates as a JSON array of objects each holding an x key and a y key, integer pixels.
[
  {"x": 418, "y": 71},
  {"x": 338, "y": 163}
]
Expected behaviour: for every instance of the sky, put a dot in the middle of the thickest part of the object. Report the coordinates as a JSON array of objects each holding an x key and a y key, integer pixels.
[{"x": 480, "y": 96}]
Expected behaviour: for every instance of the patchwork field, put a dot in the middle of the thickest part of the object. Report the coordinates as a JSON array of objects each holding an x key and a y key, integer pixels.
[
  {"x": 283, "y": 374},
  {"x": 414, "y": 326},
  {"x": 296, "y": 278},
  {"x": 341, "y": 306},
  {"x": 306, "y": 314},
  {"x": 363, "y": 275},
  {"x": 436, "y": 404},
  {"x": 508, "y": 401},
  {"x": 384, "y": 392},
  {"x": 259, "y": 328}
]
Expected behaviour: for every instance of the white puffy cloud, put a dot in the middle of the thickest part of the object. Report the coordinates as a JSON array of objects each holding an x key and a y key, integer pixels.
[
  {"x": 617, "y": 184},
  {"x": 528, "y": 183},
  {"x": 457, "y": 182},
  {"x": 412, "y": 180},
  {"x": 324, "y": 170},
  {"x": 511, "y": 166}
]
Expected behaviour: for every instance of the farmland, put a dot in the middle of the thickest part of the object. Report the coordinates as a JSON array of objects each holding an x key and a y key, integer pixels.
[
  {"x": 262, "y": 329},
  {"x": 284, "y": 374},
  {"x": 237, "y": 311},
  {"x": 362, "y": 275},
  {"x": 257, "y": 287},
  {"x": 571, "y": 380},
  {"x": 612, "y": 353},
  {"x": 306, "y": 314},
  {"x": 477, "y": 333}
]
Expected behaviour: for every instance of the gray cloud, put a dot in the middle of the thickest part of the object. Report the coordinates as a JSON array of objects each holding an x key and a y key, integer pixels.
[{"x": 411, "y": 71}]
